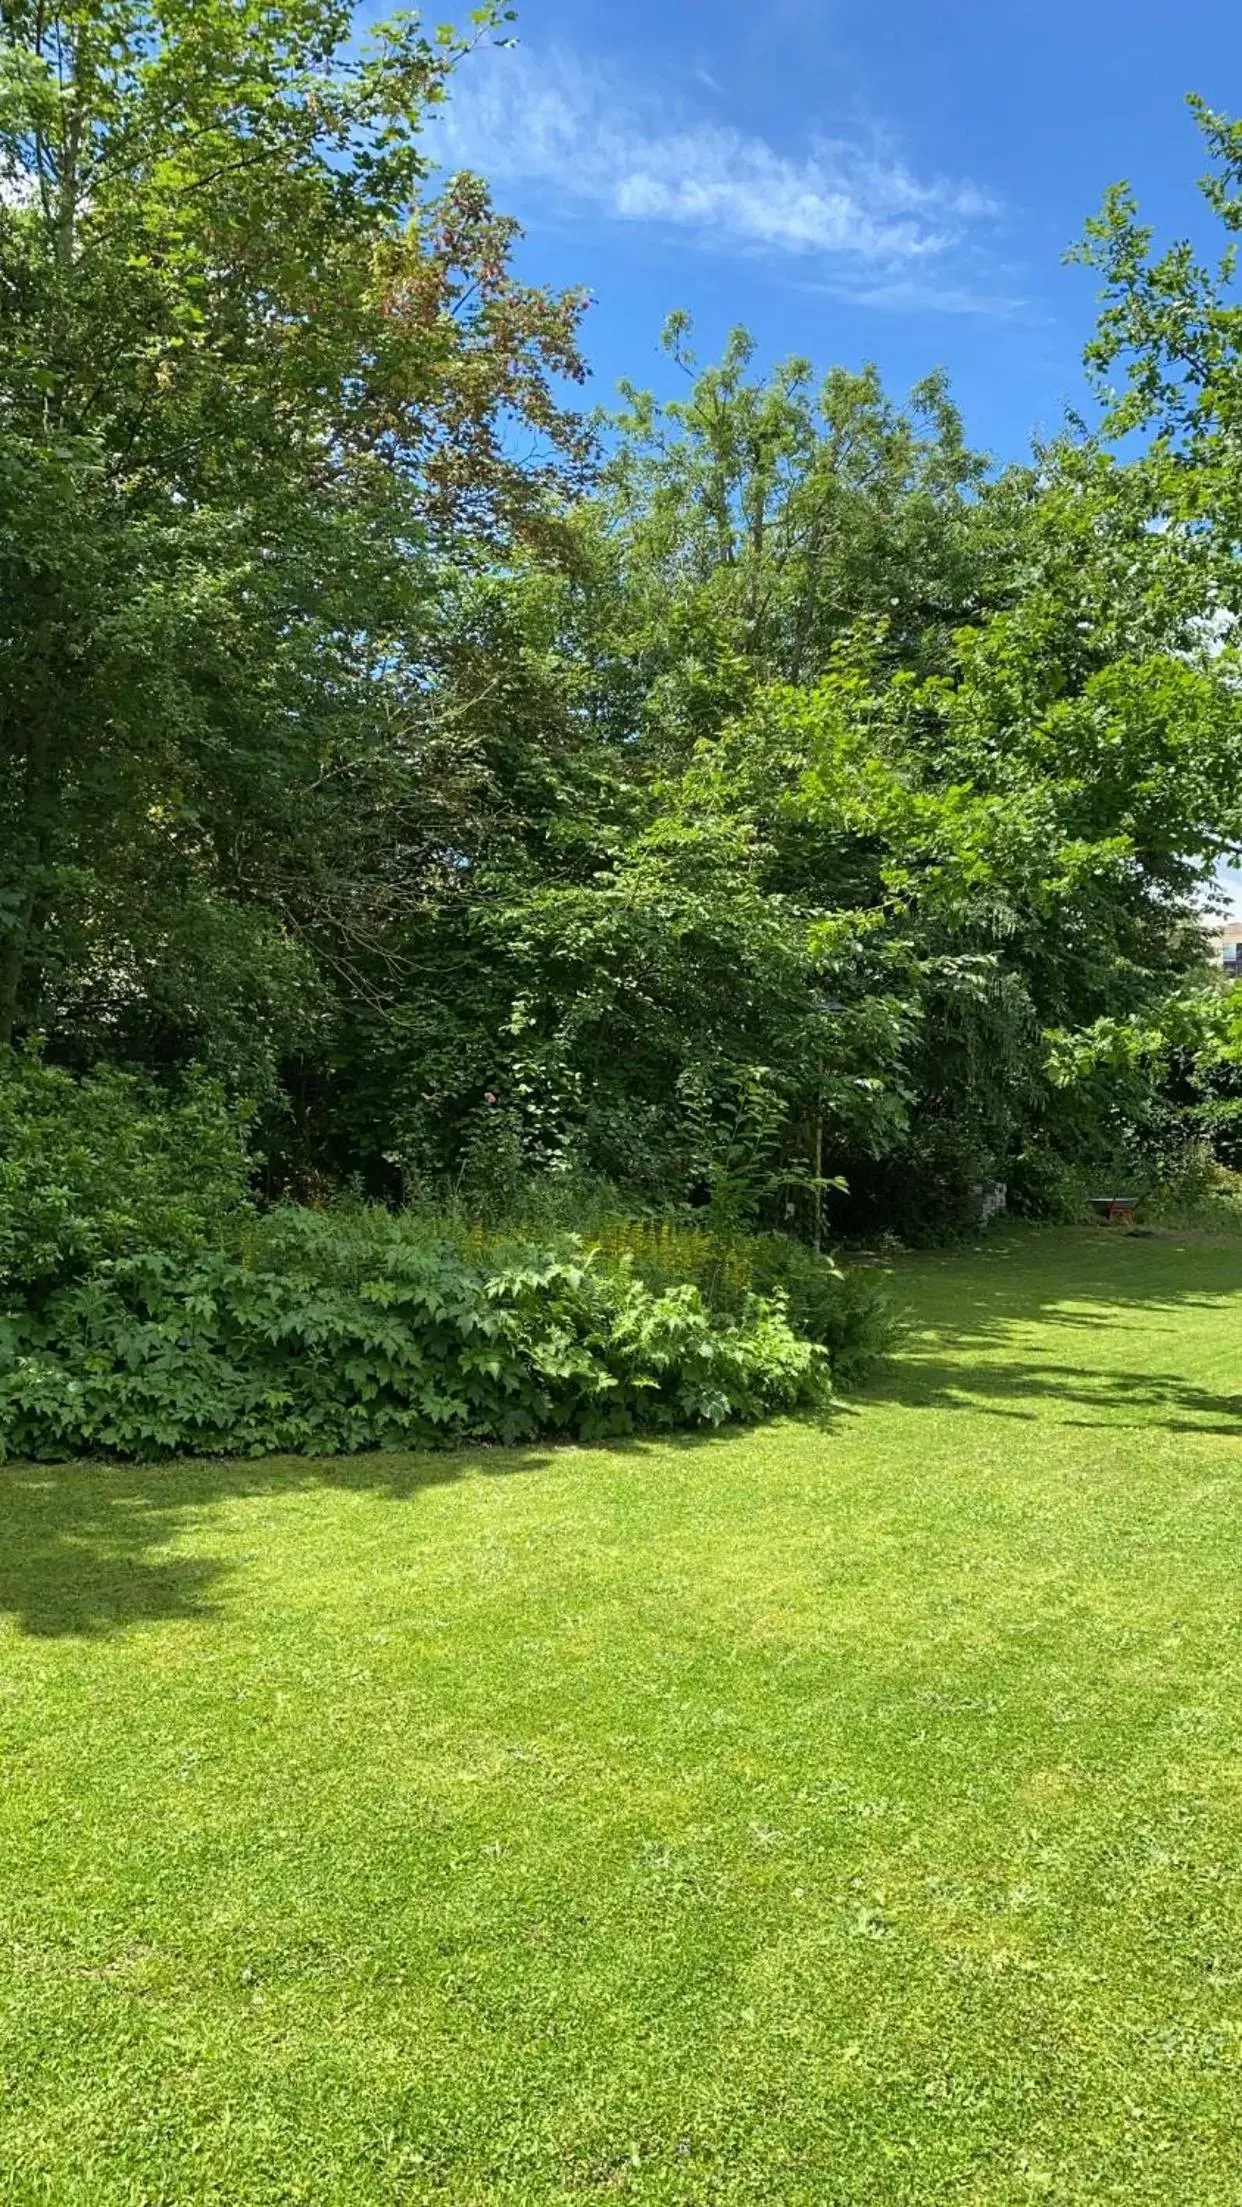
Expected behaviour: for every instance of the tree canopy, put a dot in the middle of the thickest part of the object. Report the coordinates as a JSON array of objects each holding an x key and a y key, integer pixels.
[{"x": 754, "y": 799}]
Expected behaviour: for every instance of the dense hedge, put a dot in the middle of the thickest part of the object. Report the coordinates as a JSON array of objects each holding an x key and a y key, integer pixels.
[{"x": 318, "y": 1340}]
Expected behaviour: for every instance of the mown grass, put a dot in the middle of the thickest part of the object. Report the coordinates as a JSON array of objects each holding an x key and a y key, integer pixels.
[{"x": 820, "y": 1815}]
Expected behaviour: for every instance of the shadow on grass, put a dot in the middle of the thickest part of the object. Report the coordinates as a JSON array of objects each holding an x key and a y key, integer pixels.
[
  {"x": 969, "y": 1348},
  {"x": 1018, "y": 1389},
  {"x": 80, "y": 1543}
]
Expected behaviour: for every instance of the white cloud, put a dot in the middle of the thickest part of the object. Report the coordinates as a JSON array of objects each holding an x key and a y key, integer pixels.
[
  {"x": 933, "y": 293},
  {"x": 584, "y": 144}
]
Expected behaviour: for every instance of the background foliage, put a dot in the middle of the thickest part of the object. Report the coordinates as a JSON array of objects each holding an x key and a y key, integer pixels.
[{"x": 755, "y": 808}]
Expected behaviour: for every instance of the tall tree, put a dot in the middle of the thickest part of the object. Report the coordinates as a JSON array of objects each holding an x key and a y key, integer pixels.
[
  {"x": 760, "y": 517},
  {"x": 1166, "y": 361},
  {"x": 253, "y": 382}
]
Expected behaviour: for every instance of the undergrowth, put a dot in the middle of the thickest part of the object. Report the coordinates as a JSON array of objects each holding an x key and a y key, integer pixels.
[{"x": 147, "y": 1307}]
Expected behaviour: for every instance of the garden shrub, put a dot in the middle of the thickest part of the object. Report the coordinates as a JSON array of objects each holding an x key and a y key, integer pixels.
[
  {"x": 329, "y": 1333},
  {"x": 843, "y": 1309},
  {"x": 104, "y": 1167},
  {"x": 1195, "y": 1190}
]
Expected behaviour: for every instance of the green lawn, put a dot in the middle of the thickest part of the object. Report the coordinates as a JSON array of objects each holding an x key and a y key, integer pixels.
[{"x": 818, "y": 1815}]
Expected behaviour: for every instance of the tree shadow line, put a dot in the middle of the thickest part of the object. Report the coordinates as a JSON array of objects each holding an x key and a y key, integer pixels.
[
  {"x": 1128, "y": 1398},
  {"x": 80, "y": 1542},
  {"x": 969, "y": 1359}
]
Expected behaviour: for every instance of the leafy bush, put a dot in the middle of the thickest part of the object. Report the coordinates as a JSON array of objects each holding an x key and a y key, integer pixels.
[
  {"x": 844, "y": 1310},
  {"x": 1196, "y": 1191},
  {"x": 332, "y": 1333},
  {"x": 103, "y": 1168},
  {"x": 1182, "y": 1183}
]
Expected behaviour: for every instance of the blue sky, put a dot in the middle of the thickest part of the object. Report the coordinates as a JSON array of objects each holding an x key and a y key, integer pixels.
[{"x": 895, "y": 183}]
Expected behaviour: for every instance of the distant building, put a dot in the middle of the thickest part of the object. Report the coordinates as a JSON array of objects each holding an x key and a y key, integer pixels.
[{"x": 1226, "y": 945}]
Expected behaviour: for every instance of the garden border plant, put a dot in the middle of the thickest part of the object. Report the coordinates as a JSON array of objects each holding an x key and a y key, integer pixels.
[{"x": 147, "y": 1307}]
